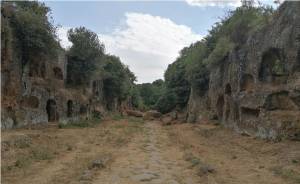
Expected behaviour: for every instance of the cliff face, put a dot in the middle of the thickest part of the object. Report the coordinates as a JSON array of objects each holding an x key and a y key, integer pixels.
[
  {"x": 256, "y": 89},
  {"x": 35, "y": 93}
]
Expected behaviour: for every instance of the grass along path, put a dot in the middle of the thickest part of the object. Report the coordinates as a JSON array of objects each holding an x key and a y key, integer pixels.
[{"x": 131, "y": 151}]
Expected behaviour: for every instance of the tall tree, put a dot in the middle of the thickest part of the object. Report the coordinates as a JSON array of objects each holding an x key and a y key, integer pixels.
[
  {"x": 84, "y": 55},
  {"x": 34, "y": 33}
]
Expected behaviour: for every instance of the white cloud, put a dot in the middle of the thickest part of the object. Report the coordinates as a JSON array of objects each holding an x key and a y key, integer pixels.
[
  {"x": 62, "y": 33},
  {"x": 147, "y": 44},
  {"x": 222, "y": 3}
]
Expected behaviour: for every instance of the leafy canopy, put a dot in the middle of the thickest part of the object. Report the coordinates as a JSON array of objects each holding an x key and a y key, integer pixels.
[
  {"x": 84, "y": 56},
  {"x": 29, "y": 23}
]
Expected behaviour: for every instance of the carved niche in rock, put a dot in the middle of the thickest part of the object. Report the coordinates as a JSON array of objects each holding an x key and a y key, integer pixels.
[
  {"x": 228, "y": 89},
  {"x": 52, "y": 110},
  {"x": 272, "y": 67}
]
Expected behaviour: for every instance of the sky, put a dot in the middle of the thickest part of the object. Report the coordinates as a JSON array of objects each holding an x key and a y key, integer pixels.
[{"x": 146, "y": 35}]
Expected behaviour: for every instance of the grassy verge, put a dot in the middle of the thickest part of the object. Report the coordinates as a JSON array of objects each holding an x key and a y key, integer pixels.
[
  {"x": 81, "y": 124},
  {"x": 117, "y": 116},
  {"x": 287, "y": 173}
]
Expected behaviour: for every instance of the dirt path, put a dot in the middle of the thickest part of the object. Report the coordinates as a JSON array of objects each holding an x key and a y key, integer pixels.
[
  {"x": 149, "y": 159},
  {"x": 131, "y": 151}
]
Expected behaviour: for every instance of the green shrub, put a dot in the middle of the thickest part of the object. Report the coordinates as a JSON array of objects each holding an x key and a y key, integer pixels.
[
  {"x": 117, "y": 116},
  {"x": 222, "y": 49},
  {"x": 166, "y": 103},
  {"x": 85, "y": 52},
  {"x": 118, "y": 80},
  {"x": 150, "y": 93},
  {"x": 34, "y": 33}
]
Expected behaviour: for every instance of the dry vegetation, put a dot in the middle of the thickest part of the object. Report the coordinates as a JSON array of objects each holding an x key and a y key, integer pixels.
[
  {"x": 233, "y": 158},
  {"x": 61, "y": 155},
  {"x": 128, "y": 150}
]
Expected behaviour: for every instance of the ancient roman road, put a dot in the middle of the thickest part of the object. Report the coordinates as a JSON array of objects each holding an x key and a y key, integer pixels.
[
  {"x": 150, "y": 159},
  {"x": 132, "y": 151}
]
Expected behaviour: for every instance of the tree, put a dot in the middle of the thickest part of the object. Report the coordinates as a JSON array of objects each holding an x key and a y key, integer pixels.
[
  {"x": 166, "y": 102},
  {"x": 84, "y": 56},
  {"x": 135, "y": 98},
  {"x": 176, "y": 81},
  {"x": 34, "y": 32},
  {"x": 86, "y": 45},
  {"x": 151, "y": 92},
  {"x": 118, "y": 79}
]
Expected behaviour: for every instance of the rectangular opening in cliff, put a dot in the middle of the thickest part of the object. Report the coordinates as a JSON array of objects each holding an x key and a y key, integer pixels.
[
  {"x": 272, "y": 67},
  {"x": 228, "y": 89},
  {"x": 52, "y": 110}
]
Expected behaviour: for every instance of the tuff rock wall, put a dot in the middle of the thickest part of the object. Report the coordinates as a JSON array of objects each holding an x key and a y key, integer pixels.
[
  {"x": 256, "y": 89},
  {"x": 35, "y": 93}
]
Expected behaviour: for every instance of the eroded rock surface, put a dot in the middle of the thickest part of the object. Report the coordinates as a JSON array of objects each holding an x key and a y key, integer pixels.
[{"x": 256, "y": 89}]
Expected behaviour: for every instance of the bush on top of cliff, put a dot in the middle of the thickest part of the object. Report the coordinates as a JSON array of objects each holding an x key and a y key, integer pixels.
[
  {"x": 86, "y": 45},
  {"x": 87, "y": 60},
  {"x": 233, "y": 30},
  {"x": 196, "y": 71},
  {"x": 84, "y": 56},
  {"x": 30, "y": 25}
]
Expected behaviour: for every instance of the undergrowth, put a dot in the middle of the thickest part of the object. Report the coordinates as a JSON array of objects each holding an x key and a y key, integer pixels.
[{"x": 80, "y": 124}]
